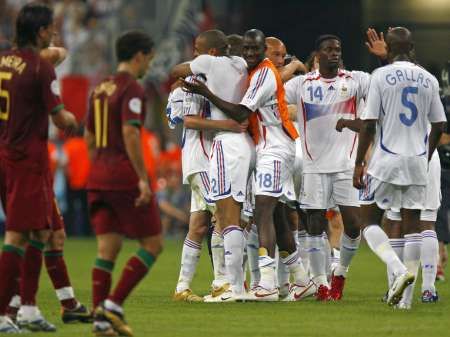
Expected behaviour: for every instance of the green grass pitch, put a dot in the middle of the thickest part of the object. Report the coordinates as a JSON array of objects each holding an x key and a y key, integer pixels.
[{"x": 151, "y": 312}]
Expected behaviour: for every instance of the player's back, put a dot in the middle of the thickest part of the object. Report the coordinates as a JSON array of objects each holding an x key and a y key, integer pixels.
[
  {"x": 405, "y": 99},
  {"x": 116, "y": 101},
  {"x": 24, "y": 106}
]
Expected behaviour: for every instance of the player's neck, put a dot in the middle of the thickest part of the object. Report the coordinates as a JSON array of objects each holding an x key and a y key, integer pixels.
[
  {"x": 125, "y": 67},
  {"x": 328, "y": 73},
  {"x": 401, "y": 57}
]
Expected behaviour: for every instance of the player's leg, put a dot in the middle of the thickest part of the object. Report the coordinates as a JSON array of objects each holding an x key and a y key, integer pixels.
[
  {"x": 72, "y": 310},
  {"x": 429, "y": 256},
  {"x": 220, "y": 283},
  {"x": 303, "y": 237},
  {"x": 289, "y": 255},
  {"x": 198, "y": 227},
  {"x": 11, "y": 259},
  {"x": 29, "y": 316}
]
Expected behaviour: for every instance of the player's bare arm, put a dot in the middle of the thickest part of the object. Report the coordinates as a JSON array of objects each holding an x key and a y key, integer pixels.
[
  {"x": 366, "y": 136},
  {"x": 288, "y": 71},
  {"x": 65, "y": 120},
  {"x": 198, "y": 123},
  {"x": 235, "y": 111},
  {"x": 132, "y": 141},
  {"x": 435, "y": 134},
  {"x": 352, "y": 124},
  {"x": 55, "y": 55},
  {"x": 181, "y": 71}
]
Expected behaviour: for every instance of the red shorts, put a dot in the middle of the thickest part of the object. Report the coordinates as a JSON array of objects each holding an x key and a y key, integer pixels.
[
  {"x": 114, "y": 212},
  {"x": 27, "y": 196}
]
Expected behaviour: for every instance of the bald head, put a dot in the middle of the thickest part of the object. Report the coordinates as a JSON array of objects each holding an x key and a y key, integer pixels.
[
  {"x": 213, "y": 39},
  {"x": 399, "y": 42},
  {"x": 276, "y": 51}
]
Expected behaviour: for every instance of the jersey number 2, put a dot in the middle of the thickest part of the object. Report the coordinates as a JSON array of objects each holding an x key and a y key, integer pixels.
[
  {"x": 408, "y": 121},
  {"x": 4, "y": 115},
  {"x": 101, "y": 122}
]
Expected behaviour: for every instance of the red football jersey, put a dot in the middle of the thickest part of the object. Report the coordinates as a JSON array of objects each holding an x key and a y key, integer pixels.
[
  {"x": 116, "y": 101},
  {"x": 29, "y": 92}
]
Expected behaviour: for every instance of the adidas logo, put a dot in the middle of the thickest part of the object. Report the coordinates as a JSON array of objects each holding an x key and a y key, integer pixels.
[
  {"x": 227, "y": 252},
  {"x": 331, "y": 88},
  {"x": 240, "y": 194}
]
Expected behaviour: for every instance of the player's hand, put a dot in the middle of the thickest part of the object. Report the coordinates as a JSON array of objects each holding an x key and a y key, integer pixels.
[
  {"x": 375, "y": 43},
  {"x": 340, "y": 125},
  {"x": 195, "y": 86},
  {"x": 299, "y": 66},
  {"x": 358, "y": 175},
  {"x": 233, "y": 126},
  {"x": 145, "y": 194}
]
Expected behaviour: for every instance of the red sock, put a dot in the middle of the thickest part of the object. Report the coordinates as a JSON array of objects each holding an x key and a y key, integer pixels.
[
  {"x": 57, "y": 271},
  {"x": 101, "y": 281},
  {"x": 134, "y": 271},
  {"x": 10, "y": 261},
  {"x": 31, "y": 271}
]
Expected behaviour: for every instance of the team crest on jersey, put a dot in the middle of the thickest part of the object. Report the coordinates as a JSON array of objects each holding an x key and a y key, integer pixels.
[
  {"x": 135, "y": 105},
  {"x": 343, "y": 91}
]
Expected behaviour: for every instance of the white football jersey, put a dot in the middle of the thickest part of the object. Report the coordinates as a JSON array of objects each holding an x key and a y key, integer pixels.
[
  {"x": 226, "y": 78},
  {"x": 404, "y": 98},
  {"x": 195, "y": 144},
  {"x": 261, "y": 96},
  {"x": 321, "y": 102}
]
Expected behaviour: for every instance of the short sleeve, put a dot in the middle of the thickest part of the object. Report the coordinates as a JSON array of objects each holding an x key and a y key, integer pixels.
[
  {"x": 201, "y": 64},
  {"x": 174, "y": 109},
  {"x": 262, "y": 87},
  {"x": 373, "y": 105},
  {"x": 363, "y": 80},
  {"x": 50, "y": 88},
  {"x": 291, "y": 88},
  {"x": 193, "y": 103},
  {"x": 133, "y": 105},
  {"x": 437, "y": 113}
]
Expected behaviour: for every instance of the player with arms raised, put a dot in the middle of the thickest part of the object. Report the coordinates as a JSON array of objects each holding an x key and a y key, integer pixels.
[
  {"x": 402, "y": 101},
  {"x": 120, "y": 200}
]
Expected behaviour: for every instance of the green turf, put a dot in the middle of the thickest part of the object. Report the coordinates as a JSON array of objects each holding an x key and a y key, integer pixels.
[{"x": 151, "y": 312}]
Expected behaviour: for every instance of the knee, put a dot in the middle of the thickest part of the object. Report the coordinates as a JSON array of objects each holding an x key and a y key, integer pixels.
[
  {"x": 199, "y": 231},
  {"x": 153, "y": 245},
  {"x": 316, "y": 222},
  {"x": 41, "y": 236},
  {"x": 57, "y": 240}
]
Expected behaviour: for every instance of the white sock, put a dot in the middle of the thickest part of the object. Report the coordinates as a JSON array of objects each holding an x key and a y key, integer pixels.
[
  {"x": 277, "y": 259},
  {"x": 28, "y": 313},
  {"x": 113, "y": 306},
  {"x": 296, "y": 239},
  {"x": 411, "y": 259},
  {"x": 233, "y": 243},
  {"x": 267, "y": 268},
  {"x": 303, "y": 248},
  {"x": 15, "y": 301},
  {"x": 245, "y": 256},
  {"x": 348, "y": 249},
  {"x": 316, "y": 250},
  {"x": 379, "y": 243},
  {"x": 252, "y": 255},
  {"x": 283, "y": 272},
  {"x": 397, "y": 245},
  {"x": 189, "y": 260},
  {"x": 65, "y": 293},
  {"x": 218, "y": 258},
  {"x": 429, "y": 259},
  {"x": 327, "y": 251},
  {"x": 295, "y": 267}
]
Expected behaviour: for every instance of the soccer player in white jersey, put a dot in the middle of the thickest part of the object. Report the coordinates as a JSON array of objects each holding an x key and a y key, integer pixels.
[
  {"x": 323, "y": 97},
  {"x": 231, "y": 155},
  {"x": 275, "y": 137},
  {"x": 402, "y": 101}
]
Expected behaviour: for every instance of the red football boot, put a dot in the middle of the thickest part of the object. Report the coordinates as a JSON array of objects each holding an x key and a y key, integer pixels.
[
  {"x": 337, "y": 287},
  {"x": 322, "y": 293}
]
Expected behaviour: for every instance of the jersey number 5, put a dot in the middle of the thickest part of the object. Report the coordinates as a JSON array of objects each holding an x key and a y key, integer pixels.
[
  {"x": 4, "y": 94},
  {"x": 101, "y": 122},
  {"x": 410, "y": 105}
]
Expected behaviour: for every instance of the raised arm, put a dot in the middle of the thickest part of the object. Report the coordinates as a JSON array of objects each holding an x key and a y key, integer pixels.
[
  {"x": 290, "y": 70},
  {"x": 181, "y": 71},
  {"x": 55, "y": 55}
]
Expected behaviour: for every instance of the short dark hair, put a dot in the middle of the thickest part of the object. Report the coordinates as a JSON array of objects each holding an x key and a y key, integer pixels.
[
  {"x": 326, "y": 37},
  {"x": 216, "y": 39},
  {"x": 132, "y": 42},
  {"x": 235, "y": 42},
  {"x": 31, "y": 18}
]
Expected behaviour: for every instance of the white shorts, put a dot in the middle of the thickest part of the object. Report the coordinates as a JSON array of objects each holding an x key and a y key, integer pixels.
[
  {"x": 273, "y": 176},
  {"x": 390, "y": 196},
  {"x": 229, "y": 166},
  {"x": 425, "y": 215},
  {"x": 199, "y": 184},
  {"x": 327, "y": 190}
]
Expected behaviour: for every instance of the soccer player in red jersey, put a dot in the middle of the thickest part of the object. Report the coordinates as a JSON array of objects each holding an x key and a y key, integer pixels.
[
  {"x": 119, "y": 196},
  {"x": 28, "y": 94}
]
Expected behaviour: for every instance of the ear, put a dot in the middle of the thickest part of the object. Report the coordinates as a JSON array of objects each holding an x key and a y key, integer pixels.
[{"x": 212, "y": 51}]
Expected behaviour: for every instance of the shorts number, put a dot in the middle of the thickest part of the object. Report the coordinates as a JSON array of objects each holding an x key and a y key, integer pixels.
[
  {"x": 265, "y": 180},
  {"x": 101, "y": 122},
  {"x": 4, "y": 76},
  {"x": 315, "y": 93},
  {"x": 408, "y": 121},
  {"x": 214, "y": 185}
]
